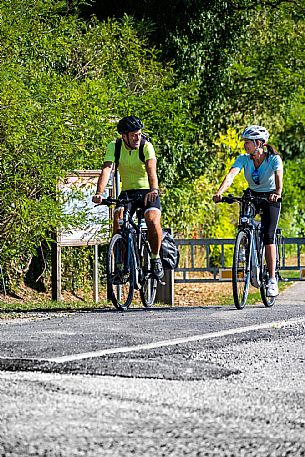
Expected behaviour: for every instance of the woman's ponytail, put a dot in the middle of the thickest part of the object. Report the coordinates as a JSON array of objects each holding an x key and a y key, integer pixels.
[{"x": 271, "y": 150}]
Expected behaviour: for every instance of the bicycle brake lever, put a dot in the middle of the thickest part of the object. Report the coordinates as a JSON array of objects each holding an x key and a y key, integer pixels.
[
  {"x": 106, "y": 202},
  {"x": 228, "y": 200}
]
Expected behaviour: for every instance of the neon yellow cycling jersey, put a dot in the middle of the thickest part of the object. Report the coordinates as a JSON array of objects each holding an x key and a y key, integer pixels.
[{"x": 132, "y": 169}]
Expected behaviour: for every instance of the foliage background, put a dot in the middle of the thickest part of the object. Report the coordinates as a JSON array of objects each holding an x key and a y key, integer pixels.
[{"x": 70, "y": 69}]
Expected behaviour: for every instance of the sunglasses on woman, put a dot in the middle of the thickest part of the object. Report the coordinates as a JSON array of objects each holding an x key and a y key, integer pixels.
[{"x": 255, "y": 176}]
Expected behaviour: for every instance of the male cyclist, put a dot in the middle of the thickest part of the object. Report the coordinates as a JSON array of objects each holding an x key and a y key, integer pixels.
[
  {"x": 263, "y": 170},
  {"x": 138, "y": 179}
]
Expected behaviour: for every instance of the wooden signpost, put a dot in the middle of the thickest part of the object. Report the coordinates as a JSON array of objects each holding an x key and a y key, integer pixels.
[{"x": 77, "y": 191}]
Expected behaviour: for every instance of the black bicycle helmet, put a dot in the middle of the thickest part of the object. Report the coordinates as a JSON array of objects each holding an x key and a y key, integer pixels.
[{"x": 129, "y": 124}]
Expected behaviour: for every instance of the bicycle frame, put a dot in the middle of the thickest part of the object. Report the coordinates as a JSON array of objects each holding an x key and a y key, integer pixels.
[
  {"x": 253, "y": 228},
  {"x": 128, "y": 229},
  {"x": 249, "y": 260},
  {"x": 128, "y": 260}
]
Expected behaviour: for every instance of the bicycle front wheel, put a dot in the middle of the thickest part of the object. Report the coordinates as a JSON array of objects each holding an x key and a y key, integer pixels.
[
  {"x": 120, "y": 273},
  {"x": 268, "y": 301},
  {"x": 149, "y": 283},
  {"x": 241, "y": 270}
]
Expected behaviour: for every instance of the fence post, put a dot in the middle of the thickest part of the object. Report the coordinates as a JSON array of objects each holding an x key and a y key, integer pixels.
[
  {"x": 95, "y": 274},
  {"x": 56, "y": 270},
  {"x": 3, "y": 280},
  {"x": 165, "y": 294}
]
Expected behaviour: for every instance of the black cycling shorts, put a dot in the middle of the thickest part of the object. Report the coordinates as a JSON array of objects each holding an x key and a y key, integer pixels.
[
  {"x": 270, "y": 214},
  {"x": 138, "y": 203}
]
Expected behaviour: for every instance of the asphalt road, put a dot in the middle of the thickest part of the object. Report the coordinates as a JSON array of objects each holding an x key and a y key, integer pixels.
[{"x": 201, "y": 381}]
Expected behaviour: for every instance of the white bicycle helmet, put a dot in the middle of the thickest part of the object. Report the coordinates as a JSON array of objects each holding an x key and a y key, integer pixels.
[{"x": 256, "y": 132}]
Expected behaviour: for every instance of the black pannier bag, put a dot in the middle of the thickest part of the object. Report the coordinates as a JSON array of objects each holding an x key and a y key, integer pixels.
[{"x": 169, "y": 252}]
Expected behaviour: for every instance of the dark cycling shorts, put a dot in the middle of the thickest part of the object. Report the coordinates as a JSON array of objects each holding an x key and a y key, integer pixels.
[
  {"x": 270, "y": 213},
  {"x": 139, "y": 202}
]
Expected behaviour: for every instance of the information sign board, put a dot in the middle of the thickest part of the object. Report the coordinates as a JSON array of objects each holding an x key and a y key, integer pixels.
[{"x": 76, "y": 191}]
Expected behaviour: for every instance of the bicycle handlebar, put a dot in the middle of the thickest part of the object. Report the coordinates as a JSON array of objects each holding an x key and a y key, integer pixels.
[
  {"x": 109, "y": 201},
  {"x": 230, "y": 199},
  {"x": 251, "y": 198}
]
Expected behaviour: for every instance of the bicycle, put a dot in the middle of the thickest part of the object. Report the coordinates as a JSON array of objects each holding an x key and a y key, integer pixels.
[
  {"x": 129, "y": 260},
  {"x": 249, "y": 264}
]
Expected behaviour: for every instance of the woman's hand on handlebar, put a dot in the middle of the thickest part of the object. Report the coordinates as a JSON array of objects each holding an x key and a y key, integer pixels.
[
  {"x": 274, "y": 198},
  {"x": 217, "y": 198}
]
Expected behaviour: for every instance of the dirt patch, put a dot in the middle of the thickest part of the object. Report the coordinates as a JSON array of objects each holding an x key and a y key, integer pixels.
[
  {"x": 25, "y": 295},
  {"x": 198, "y": 294}
]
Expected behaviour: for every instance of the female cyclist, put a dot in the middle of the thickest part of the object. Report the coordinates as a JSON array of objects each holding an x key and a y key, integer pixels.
[{"x": 263, "y": 169}]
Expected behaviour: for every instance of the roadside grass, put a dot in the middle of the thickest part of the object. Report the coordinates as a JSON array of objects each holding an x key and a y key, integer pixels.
[
  {"x": 24, "y": 309},
  {"x": 215, "y": 294},
  {"x": 254, "y": 296},
  {"x": 26, "y": 303}
]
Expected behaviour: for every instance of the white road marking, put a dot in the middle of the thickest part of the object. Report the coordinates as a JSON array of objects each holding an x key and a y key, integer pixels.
[{"x": 176, "y": 341}]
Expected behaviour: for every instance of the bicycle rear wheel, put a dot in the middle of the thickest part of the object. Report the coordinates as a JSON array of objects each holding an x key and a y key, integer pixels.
[
  {"x": 120, "y": 273},
  {"x": 268, "y": 301},
  {"x": 241, "y": 270},
  {"x": 149, "y": 282}
]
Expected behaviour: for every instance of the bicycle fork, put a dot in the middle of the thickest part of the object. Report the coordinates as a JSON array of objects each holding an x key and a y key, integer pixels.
[
  {"x": 254, "y": 266},
  {"x": 134, "y": 253}
]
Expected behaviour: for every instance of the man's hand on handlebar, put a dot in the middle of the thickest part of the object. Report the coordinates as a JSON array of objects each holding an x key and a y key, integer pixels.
[
  {"x": 97, "y": 198},
  {"x": 151, "y": 196}
]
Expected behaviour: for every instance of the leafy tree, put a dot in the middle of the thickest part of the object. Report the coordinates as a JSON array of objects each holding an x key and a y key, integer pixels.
[
  {"x": 63, "y": 85},
  {"x": 243, "y": 57}
]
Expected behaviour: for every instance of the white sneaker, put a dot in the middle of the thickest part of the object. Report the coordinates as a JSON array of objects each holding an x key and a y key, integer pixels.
[{"x": 272, "y": 288}]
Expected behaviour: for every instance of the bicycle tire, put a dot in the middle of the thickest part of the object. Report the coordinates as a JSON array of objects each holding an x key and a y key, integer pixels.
[
  {"x": 149, "y": 282},
  {"x": 120, "y": 277},
  {"x": 268, "y": 301},
  {"x": 240, "y": 269}
]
